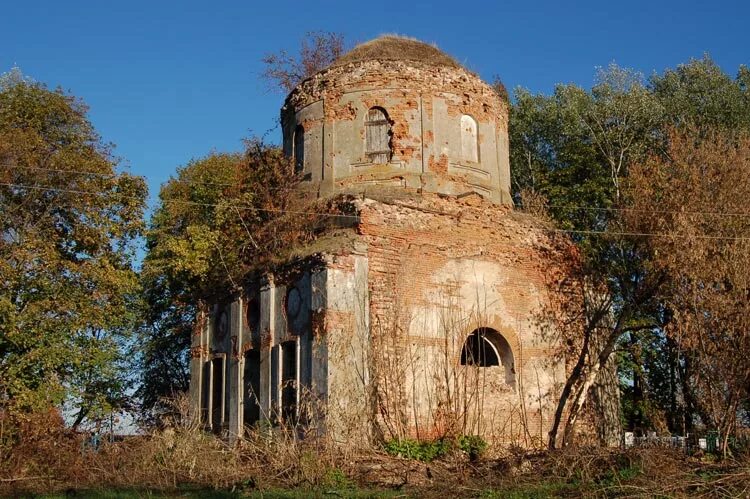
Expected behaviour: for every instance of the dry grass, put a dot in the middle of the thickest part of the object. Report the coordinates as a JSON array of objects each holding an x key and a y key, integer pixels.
[
  {"x": 59, "y": 460},
  {"x": 399, "y": 48},
  {"x": 46, "y": 458}
]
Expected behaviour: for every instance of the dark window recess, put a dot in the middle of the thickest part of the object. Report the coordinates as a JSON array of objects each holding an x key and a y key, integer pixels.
[
  {"x": 217, "y": 393},
  {"x": 289, "y": 382},
  {"x": 253, "y": 320},
  {"x": 276, "y": 383},
  {"x": 206, "y": 395},
  {"x": 486, "y": 347},
  {"x": 221, "y": 326},
  {"x": 478, "y": 351},
  {"x": 299, "y": 149},
  {"x": 253, "y": 313},
  {"x": 251, "y": 391},
  {"x": 378, "y": 147}
]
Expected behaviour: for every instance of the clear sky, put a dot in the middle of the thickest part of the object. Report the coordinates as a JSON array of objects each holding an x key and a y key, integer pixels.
[{"x": 170, "y": 81}]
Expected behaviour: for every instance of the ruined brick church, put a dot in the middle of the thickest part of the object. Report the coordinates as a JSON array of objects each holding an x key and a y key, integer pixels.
[{"x": 425, "y": 315}]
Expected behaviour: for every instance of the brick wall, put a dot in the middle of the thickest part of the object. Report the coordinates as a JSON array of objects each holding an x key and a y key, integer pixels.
[{"x": 442, "y": 268}]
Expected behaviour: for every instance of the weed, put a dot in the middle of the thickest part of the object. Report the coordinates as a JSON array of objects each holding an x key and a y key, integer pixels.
[
  {"x": 337, "y": 479},
  {"x": 473, "y": 445},
  {"x": 425, "y": 451}
]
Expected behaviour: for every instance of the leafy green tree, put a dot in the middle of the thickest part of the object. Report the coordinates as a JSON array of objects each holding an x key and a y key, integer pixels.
[
  {"x": 571, "y": 152},
  {"x": 223, "y": 219},
  {"x": 700, "y": 94},
  {"x": 573, "y": 149},
  {"x": 220, "y": 220},
  {"x": 68, "y": 227},
  {"x": 181, "y": 246}
]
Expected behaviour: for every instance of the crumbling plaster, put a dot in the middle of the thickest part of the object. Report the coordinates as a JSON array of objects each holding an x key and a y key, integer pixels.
[{"x": 424, "y": 104}]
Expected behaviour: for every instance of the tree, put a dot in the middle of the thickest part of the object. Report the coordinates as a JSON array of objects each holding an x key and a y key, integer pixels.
[
  {"x": 574, "y": 149},
  {"x": 68, "y": 227},
  {"x": 224, "y": 219},
  {"x": 700, "y": 95},
  {"x": 180, "y": 249},
  {"x": 318, "y": 51},
  {"x": 697, "y": 197}
]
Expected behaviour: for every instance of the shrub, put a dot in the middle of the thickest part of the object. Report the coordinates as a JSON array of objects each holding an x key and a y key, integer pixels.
[
  {"x": 425, "y": 451},
  {"x": 473, "y": 445}
]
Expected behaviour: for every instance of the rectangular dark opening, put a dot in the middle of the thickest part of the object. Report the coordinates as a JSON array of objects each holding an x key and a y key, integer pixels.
[
  {"x": 275, "y": 384},
  {"x": 289, "y": 382},
  {"x": 251, "y": 391},
  {"x": 217, "y": 394},
  {"x": 205, "y": 418}
]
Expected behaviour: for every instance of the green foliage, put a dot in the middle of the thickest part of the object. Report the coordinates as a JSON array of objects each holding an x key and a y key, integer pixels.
[
  {"x": 699, "y": 93},
  {"x": 206, "y": 232},
  {"x": 417, "y": 449},
  {"x": 572, "y": 152},
  {"x": 429, "y": 450},
  {"x": 221, "y": 219},
  {"x": 619, "y": 475},
  {"x": 574, "y": 147},
  {"x": 68, "y": 226},
  {"x": 337, "y": 479},
  {"x": 473, "y": 445}
]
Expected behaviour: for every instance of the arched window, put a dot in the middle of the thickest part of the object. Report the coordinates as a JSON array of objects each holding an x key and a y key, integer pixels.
[
  {"x": 378, "y": 136},
  {"x": 299, "y": 149},
  {"x": 479, "y": 351},
  {"x": 485, "y": 347},
  {"x": 469, "y": 143}
]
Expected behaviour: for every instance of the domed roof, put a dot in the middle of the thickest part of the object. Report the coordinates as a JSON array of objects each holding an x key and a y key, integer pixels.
[{"x": 399, "y": 48}]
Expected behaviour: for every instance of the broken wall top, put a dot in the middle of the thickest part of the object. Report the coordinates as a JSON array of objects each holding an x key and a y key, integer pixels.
[{"x": 440, "y": 128}]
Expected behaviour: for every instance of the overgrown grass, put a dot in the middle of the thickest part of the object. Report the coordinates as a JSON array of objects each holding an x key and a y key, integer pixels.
[
  {"x": 223, "y": 494},
  {"x": 429, "y": 450},
  {"x": 186, "y": 462},
  {"x": 532, "y": 491}
]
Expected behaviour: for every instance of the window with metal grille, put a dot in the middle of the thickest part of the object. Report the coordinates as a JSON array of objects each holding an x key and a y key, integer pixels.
[
  {"x": 469, "y": 143},
  {"x": 378, "y": 136}
]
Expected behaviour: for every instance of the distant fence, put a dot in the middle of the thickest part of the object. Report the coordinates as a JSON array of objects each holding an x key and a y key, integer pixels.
[{"x": 707, "y": 442}]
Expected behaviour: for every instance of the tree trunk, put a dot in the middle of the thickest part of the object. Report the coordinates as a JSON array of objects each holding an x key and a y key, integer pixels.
[
  {"x": 581, "y": 379},
  {"x": 591, "y": 377},
  {"x": 573, "y": 379},
  {"x": 82, "y": 413},
  {"x": 605, "y": 399}
]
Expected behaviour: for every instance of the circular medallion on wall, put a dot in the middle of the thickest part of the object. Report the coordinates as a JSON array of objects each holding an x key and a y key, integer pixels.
[{"x": 293, "y": 303}]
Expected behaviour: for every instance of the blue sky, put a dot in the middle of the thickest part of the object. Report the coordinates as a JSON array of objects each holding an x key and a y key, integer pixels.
[{"x": 171, "y": 81}]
